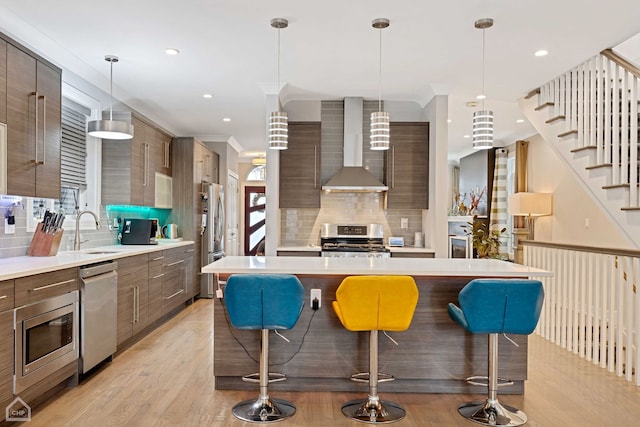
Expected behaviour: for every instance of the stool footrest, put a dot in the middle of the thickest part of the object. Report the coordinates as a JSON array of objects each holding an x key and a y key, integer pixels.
[
  {"x": 484, "y": 381},
  {"x": 274, "y": 377},
  {"x": 363, "y": 377}
]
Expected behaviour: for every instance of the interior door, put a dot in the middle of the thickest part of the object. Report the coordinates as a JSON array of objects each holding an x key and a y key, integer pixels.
[{"x": 254, "y": 218}]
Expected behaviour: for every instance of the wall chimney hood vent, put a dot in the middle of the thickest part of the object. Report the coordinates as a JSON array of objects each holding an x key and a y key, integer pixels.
[{"x": 353, "y": 177}]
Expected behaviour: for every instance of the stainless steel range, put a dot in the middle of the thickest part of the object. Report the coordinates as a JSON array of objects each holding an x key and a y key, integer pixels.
[{"x": 353, "y": 240}]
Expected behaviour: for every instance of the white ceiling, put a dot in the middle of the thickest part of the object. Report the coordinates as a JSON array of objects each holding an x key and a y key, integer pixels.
[{"x": 228, "y": 48}]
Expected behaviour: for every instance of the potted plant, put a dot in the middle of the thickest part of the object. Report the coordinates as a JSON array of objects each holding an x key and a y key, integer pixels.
[{"x": 485, "y": 241}]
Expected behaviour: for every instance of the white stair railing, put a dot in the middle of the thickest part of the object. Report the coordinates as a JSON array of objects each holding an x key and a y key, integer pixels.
[
  {"x": 598, "y": 103},
  {"x": 591, "y": 307}
]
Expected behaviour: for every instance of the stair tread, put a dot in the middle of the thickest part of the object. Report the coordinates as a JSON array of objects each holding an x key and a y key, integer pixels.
[
  {"x": 555, "y": 119},
  {"x": 567, "y": 133},
  {"x": 603, "y": 165},
  {"x": 546, "y": 104},
  {"x": 630, "y": 209},
  {"x": 532, "y": 93},
  {"x": 585, "y": 148},
  {"x": 606, "y": 187}
]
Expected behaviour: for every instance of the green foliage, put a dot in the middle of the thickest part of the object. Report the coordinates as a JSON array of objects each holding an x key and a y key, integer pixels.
[{"x": 485, "y": 241}]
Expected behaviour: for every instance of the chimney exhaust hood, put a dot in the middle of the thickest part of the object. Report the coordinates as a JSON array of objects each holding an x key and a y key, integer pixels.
[{"x": 353, "y": 177}]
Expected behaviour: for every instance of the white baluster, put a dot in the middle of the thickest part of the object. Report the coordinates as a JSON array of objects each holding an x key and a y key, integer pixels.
[
  {"x": 615, "y": 124},
  {"x": 633, "y": 142}
]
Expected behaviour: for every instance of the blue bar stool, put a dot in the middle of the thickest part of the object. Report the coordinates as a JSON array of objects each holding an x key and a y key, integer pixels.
[
  {"x": 264, "y": 301},
  {"x": 496, "y": 306},
  {"x": 374, "y": 303}
]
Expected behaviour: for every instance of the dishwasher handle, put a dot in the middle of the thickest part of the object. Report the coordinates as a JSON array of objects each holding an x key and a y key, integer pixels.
[
  {"x": 112, "y": 275},
  {"x": 96, "y": 269}
]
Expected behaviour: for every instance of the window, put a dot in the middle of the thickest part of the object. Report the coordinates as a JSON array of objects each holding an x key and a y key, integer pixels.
[
  {"x": 259, "y": 173},
  {"x": 80, "y": 163}
]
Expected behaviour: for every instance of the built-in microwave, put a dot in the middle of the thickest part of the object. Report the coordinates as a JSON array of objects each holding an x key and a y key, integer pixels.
[{"x": 46, "y": 339}]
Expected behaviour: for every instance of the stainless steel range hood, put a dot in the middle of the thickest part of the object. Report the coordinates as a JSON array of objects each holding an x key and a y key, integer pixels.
[{"x": 353, "y": 177}]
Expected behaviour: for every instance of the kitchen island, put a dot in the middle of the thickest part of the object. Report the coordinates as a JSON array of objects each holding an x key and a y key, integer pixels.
[{"x": 433, "y": 355}]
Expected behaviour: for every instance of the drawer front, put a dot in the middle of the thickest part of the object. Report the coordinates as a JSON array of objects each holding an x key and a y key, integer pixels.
[
  {"x": 156, "y": 260},
  {"x": 6, "y": 295},
  {"x": 39, "y": 287}
]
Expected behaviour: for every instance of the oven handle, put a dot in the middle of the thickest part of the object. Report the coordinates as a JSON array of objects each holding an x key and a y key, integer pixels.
[{"x": 52, "y": 285}]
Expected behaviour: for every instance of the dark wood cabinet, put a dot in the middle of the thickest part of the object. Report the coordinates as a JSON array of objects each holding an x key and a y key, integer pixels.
[
  {"x": 156, "y": 274},
  {"x": 33, "y": 117},
  {"x": 3, "y": 81},
  {"x": 300, "y": 167},
  {"x": 133, "y": 297},
  {"x": 129, "y": 166},
  {"x": 175, "y": 280},
  {"x": 6, "y": 359},
  {"x": 192, "y": 162},
  {"x": 407, "y": 166}
]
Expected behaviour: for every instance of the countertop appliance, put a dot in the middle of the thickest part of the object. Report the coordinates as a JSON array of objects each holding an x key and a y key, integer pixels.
[
  {"x": 137, "y": 231},
  {"x": 212, "y": 231},
  {"x": 353, "y": 240},
  {"x": 98, "y": 313}
]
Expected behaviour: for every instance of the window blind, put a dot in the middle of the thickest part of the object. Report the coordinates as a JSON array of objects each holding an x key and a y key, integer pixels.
[{"x": 73, "y": 152}]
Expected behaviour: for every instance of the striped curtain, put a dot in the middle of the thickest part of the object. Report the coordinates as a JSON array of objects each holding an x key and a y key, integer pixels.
[{"x": 498, "y": 215}]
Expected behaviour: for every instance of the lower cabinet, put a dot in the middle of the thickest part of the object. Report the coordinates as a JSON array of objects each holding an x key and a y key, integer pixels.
[
  {"x": 6, "y": 360},
  {"x": 156, "y": 275},
  {"x": 133, "y": 296},
  {"x": 177, "y": 282}
]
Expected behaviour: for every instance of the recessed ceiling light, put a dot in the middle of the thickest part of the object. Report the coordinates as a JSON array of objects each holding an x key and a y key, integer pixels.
[
  {"x": 207, "y": 96},
  {"x": 171, "y": 51},
  {"x": 226, "y": 119},
  {"x": 467, "y": 136},
  {"x": 541, "y": 52},
  {"x": 520, "y": 121},
  {"x": 481, "y": 96}
]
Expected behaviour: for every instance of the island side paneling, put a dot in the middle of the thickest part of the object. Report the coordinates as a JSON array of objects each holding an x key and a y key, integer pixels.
[{"x": 434, "y": 355}]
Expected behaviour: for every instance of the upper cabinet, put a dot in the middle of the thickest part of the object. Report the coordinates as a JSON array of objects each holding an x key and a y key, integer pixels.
[
  {"x": 3, "y": 81},
  {"x": 33, "y": 110},
  {"x": 407, "y": 166},
  {"x": 300, "y": 167},
  {"x": 129, "y": 166}
]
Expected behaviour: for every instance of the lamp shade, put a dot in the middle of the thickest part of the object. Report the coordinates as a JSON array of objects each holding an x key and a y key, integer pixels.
[
  {"x": 110, "y": 129},
  {"x": 259, "y": 161},
  {"x": 530, "y": 204}
]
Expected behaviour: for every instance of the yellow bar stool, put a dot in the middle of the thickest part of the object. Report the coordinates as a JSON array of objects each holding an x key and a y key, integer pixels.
[{"x": 375, "y": 303}]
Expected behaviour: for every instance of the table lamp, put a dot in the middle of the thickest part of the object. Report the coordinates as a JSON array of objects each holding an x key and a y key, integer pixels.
[{"x": 529, "y": 205}]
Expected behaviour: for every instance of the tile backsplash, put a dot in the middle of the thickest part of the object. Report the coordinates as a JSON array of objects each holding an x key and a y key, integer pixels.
[
  {"x": 17, "y": 244},
  {"x": 301, "y": 227}
]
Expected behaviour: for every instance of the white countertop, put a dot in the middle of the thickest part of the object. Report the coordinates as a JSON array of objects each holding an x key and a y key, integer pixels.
[
  {"x": 11, "y": 268},
  {"x": 364, "y": 266},
  {"x": 407, "y": 249}
]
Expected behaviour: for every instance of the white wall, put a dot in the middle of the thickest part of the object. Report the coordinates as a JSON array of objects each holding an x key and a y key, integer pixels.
[{"x": 572, "y": 205}]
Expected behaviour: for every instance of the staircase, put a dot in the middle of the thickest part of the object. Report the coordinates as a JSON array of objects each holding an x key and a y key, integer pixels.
[{"x": 589, "y": 115}]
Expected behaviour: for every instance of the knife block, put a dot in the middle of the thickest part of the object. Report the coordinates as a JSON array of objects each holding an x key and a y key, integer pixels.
[{"x": 44, "y": 244}]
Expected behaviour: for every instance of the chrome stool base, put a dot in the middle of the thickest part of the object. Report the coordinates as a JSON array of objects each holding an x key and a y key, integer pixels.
[
  {"x": 373, "y": 411},
  {"x": 492, "y": 413},
  {"x": 264, "y": 411}
]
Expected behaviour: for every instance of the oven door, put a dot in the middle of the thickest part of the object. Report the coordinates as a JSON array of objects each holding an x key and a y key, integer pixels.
[{"x": 46, "y": 339}]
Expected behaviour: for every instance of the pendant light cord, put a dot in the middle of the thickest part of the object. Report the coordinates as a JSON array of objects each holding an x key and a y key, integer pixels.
[
  {"x": 484, "y": 94},
  {"x": 278, "y": 81},
  {"x": 380, "y": 70},
  {"x": 111, "y": 91}
]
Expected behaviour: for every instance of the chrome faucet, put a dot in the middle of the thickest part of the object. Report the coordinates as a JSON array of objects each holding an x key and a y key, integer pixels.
[{"x": 76, "y": 241}]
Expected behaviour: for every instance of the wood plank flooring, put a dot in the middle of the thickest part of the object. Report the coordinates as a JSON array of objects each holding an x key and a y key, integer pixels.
[{"x": 166, "y": 380}]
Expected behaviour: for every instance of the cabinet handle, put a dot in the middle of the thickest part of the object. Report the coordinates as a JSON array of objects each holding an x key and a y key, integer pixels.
[
  {"x": 134, "y": 305},
  {"x": 35, "y": 125},
  {"x": 174, "y": 263},
  {"x": 146, "y": 165},
  {"x": 52, "y": 285},
  {"x": 181, "y": 291},
  {"x": 189, "y": 250},
  {"x": 44, "y": 131},
  {"x": 185, "y": 280},
  {"x": 158, "y": 258},
  {"x": 315, "y": 166},
  {"x": 158, "y": 276},
  {"x": 3, "y": 296},
  {"x": 393, "y": 166},
  {"x": 167, "y": 153}
]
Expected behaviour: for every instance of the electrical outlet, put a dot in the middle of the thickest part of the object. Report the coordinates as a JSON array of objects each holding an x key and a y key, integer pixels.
[
  {"x": 9, "y": 228},
  {"x": 404, "y": 223},
  {"x": 316, "y": 294}
]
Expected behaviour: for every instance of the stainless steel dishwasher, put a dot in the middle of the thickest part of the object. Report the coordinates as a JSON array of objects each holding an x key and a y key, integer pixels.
[{"x": 98, "y": 313}]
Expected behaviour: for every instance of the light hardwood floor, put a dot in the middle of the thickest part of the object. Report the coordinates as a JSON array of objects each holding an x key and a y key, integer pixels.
[{"x": 166, "y": 380}]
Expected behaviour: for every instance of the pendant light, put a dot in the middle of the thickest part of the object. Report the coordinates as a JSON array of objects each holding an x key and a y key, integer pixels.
[
  {"x": 379, "y": 139},
  {"x": 278, "y": 120},
  {"x": 110, "y": 129},
  {"x": 483, "y": 119}
]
